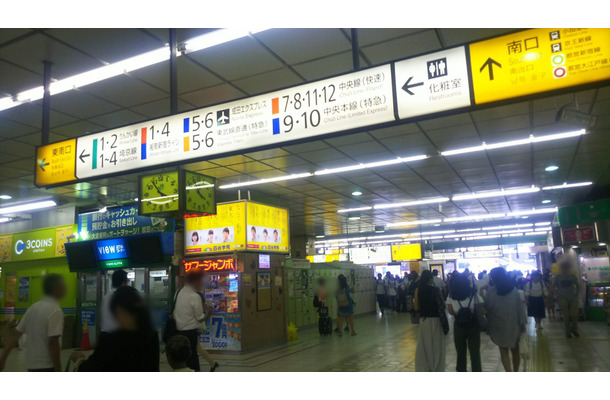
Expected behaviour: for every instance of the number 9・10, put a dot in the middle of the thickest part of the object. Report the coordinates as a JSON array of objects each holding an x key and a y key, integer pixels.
[{"x": 311, "y": 119}]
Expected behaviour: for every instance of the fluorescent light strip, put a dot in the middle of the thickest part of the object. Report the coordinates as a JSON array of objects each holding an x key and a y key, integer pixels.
[
  {"x": 511, "y": 143},
  {"x": 360, "y": 166},
  {"x": 266, "y": 180},
  {"x": 347, "y": 210},
  {"x": 567, "y": 185},
  {"x": 468, "y": 230},
  {"x": 111, "y": 70},
  {"x": 497, "y": 193},
  {"x": 516, "y": 226},
  {"x": 2, "y": 220},
  {"x": 475, "y": 217},
  {"x": 28, "y": 207},
  {"x": 532, "y": 212},
  {"x": 542, "y": 223},
  {"x": 416, "y": 222},
  {"x": 412, "y": 203},
  {"x": 459, "y": 235}
]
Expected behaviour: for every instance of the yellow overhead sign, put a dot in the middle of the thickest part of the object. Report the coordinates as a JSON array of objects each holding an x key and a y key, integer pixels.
[
  {"x": 402, "y": 252},
  {"x": 55, "y": 163},
  {"x": 538, "y": 60}
]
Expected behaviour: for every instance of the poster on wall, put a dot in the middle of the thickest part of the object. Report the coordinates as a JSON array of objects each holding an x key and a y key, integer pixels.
[
  {"x": 225, "y": 231},
  {"x": 24, "y": 290},
  {"x": 223, "y": 332},
  {"x": 263, "y": 291},
  {"x": 267, "y": 228},
  {"x": 6, "y": 242}
]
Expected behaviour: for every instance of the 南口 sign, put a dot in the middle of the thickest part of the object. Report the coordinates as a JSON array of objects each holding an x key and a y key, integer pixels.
[{"x": 349, "y": 101}]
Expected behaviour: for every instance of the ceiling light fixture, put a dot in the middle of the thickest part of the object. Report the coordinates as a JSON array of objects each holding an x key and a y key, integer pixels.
[
  {"x": 5, "y": 219},
  {"x": 516, "y": 226},
  {"x": 5, "y": 197},
  {"x": 130, "y": 64},
  {"x": 567, "y": 185},
  {"x": 511, "y": 143},
  {"x": 547, "y": 201},
  {"x": 353, "y": 217},
  {"x": 360, "y": 166},
  {"x": 357, "y": 193},
  {"x": 416, "y": 222},
  {"x": 319, "y": 236},
  {"x": 28, "y": 207},
  {"x": 347, "y": 210},
  {"x": 412, "y": 203},
  {"x": 497, "y": 193},
  {"x": 551, "y": 168},
  {"x": 266, "y": 180},
  {"x": 542, "y": 223}
]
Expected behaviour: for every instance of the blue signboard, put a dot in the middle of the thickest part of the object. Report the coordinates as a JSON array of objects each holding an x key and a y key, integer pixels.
[
  {"x": 119, "y": 222},
  {"x": 87, "y": 315},
  {"x": 110, "y": 249}
]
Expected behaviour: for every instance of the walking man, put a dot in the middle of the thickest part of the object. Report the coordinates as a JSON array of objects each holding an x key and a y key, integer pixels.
[
  {"x": 43, "y": 323},
  {"x": 567, "y": 288},
  {"x": 189, "y": 315}
]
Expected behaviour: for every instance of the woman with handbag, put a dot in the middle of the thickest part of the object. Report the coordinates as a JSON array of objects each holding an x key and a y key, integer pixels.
[
  {"x": 465, "y": 305},
  {"x": 433, "y": 326},
  {"x": 345, "y": 306},
  {"x": 506, "y": 317}
]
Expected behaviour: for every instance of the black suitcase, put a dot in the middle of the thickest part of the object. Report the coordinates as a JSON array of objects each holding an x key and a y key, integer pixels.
[{"x": 325, "y": 323}]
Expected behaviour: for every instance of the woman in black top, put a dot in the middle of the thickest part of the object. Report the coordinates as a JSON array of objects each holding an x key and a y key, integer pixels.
[
  {"x": 134, "y": 347},
  {"x": 430, "y": 351}
]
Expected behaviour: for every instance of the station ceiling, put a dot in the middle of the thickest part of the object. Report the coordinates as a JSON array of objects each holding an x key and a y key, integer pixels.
[{"x": 278, "y": 58}]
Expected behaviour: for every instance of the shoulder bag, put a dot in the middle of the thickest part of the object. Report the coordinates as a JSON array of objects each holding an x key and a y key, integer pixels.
[
  {"x": 171, "y": 329},
  {"x": 441, "y": 310}
]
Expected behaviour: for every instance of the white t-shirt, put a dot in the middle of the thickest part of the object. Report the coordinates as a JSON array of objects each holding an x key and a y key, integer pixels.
[
  {"x": 188, "y": 310},
  {"x": 536, "y": 289},
  {"x": 482, "y": 282},
  {"x": 380, "y": 287},
  {"x": 464, "y": 303},
  {"x": 44, "y": 319},
  {"x": 438, "y": 282},
  {"x": 109, "y": 324},
  {"x": 391, "y": 285}
]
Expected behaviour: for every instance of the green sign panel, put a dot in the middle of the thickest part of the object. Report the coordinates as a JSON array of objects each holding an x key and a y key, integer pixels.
[
  {"x": 35, "y": 245},
  {"x": 585, "y": 212},
  {"x": 110, "y": 264}
]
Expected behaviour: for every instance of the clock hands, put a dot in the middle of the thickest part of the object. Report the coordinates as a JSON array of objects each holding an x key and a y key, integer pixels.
[{"x": 160, "y": 192}]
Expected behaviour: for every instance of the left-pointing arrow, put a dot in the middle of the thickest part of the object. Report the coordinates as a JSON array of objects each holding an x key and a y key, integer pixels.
[
  {"x": 43, "y": 164},
  {"x": 82, "y": 156},
  {"x": 408, "y": 85}
]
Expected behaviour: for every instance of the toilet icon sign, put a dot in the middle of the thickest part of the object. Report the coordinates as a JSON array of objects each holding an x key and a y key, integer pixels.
[{"x": 437, "y": 68}]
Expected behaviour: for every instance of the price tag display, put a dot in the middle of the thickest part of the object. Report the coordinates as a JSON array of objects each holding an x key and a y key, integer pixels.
[{"x": 349, "y": 101}]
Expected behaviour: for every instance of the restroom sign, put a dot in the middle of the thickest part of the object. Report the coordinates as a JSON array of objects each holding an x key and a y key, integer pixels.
[
  {"x": 538, "y": 60},
  {"x": 432, "y": 83}
]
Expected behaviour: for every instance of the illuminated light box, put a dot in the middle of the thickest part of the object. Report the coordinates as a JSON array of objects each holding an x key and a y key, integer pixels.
[
  {"x": 210, "y": 265},
  {"x": 403, "y": 252},
  {"x": 264, "y": 261}
]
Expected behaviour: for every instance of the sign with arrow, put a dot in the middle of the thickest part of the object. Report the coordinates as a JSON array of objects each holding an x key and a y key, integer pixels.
[
  {"x": 432, "y": 83},
  {"x": 56, "y": 163},
  {"x": 538, "y": 60}
]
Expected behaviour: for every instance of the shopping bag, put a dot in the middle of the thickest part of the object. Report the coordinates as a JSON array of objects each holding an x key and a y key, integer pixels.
[{"x": 524, "y": 347}]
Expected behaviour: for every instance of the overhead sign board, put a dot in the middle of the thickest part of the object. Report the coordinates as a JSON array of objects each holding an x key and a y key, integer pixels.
[
  {"x": 483, "y": 254},
  {"x": 447, "y": 256},
  {"x": 349, "y": 101},
  {"x": 402, "y": 252},
  {"x": 35, "y": 245},
  {"x": 432, "y": 83},
  {"x": 538, "y": 60},
  {"x": 370, "y": 255}
]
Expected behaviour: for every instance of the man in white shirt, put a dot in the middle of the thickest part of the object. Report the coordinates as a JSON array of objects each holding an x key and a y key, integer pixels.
[
  {"x": 189, "y": 315},
  {"x": 439, "y": 283},
  {"x": 44, "y": 323},
  {"x": 109, "y": 324}
]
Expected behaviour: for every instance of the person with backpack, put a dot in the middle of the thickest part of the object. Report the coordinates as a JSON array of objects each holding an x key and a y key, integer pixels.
[
  {"x": 463, "y": 303},
  {"x": 380, "y": 292},
  {"x": 535, "y": 293},
  {"x": 430, "y": 351},
  {"x": 345, "y": 306}
]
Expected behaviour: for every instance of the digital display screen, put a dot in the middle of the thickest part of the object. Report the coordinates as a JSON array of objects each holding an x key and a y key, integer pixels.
[
  {"x": 145, "y": 250},
  {"x": 81, "y": 256},
  {"x": 111, "y": 249},
  {"x": 264, "y": 261}
]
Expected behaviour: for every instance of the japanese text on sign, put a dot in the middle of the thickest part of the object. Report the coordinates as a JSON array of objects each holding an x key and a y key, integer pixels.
[{"x": 214, "y": 265}]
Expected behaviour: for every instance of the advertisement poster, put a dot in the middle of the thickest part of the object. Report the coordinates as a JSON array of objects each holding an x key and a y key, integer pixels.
[
  {"x": 246, "y": 279},
  {"x": 61, "y": 238},
  {"x": 223, "y": 332},
  {"x": 267, "y": 228},
  {"x": 11, "y": 291},
  {"x": 6, "y": 242},
  {"x": 263, "y": 291},
  {"x": 24, "y": 290},
  {"x": 225, "y": 231}
]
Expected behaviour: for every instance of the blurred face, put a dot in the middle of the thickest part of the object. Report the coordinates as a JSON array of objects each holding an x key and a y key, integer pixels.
[
  {"x": 225, "y": 234},
  {"x": 253, "y": 234},
  {"x": 275, "y": 235},
  {"x": 265, "y": 235},
  {"x": 195, "y": 238},
  {"x": 125, "y": 320}
]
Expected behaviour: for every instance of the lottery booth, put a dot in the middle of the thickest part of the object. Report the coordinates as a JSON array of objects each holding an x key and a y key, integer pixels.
[{"x": 241, "y": 252}]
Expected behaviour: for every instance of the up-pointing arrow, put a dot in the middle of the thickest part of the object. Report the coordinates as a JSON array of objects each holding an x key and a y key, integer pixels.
[{"x": 490, "y": 64}]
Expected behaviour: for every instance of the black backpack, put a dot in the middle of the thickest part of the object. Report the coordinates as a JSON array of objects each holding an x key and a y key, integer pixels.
[{"x": 465, "y": 317}]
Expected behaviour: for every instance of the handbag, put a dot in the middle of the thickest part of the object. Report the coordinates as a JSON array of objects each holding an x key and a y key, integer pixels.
[
  {"x": 342, "y": 300},
  {"x": 441, "y": 311},
  {"x": 524, "y": 347},
  {"x": 479, "y": 315},
  {"x": 171, "y": 329}
]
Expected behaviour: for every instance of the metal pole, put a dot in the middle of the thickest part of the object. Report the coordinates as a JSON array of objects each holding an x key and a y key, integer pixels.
[
  {"x": 173, "y": 72},
  {"x": 46, "y": 102},
  {"x": 355, "y": 49}
]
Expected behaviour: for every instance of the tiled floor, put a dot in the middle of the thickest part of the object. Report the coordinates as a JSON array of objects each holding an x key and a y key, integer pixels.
[{"x": 388, "y": 344}]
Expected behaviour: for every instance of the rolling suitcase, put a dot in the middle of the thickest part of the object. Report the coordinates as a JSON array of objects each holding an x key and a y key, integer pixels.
[{"x": 325, "y": 323}]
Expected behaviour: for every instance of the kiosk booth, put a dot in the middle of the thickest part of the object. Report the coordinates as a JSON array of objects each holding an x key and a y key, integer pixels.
[
  {"x": 241, "y": 251},
  {"x": 147, "y": 260}
]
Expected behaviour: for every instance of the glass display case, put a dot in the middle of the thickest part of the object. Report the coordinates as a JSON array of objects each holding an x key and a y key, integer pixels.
[{"x": 598, "y": 301}]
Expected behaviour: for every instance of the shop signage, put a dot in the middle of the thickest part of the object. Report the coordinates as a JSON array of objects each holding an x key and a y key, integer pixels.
[
  {"x": 111, "y": 264},
  {"x": 581, "y": 234},
  {"x": 210, "y": 265},
  {"x": 585, "y": 212},
  {"x": 35, "y": 245},
  {"x": 538, "y": 60},
  {"x": 483, "y": 254},
  {"x": 349, "y": 101},
  {"x": 447, "y": 256},
  {"x": 371, "y": 255},
  {"x": 432, "y": 83},
  {"x": 524, "y": 63},
  {"x": 119, "y": 222},
  {"x": 111, "y": 249},
  {"x": 223, "y": 332}
]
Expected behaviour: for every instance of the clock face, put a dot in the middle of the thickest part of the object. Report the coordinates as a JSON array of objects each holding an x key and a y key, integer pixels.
[
  {"x": 200, "y": 190},
  {"x": 160, "y": 193}
]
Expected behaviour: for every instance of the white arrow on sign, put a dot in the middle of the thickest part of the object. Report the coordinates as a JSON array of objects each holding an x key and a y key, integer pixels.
[{"x": 432, "y": 83}]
